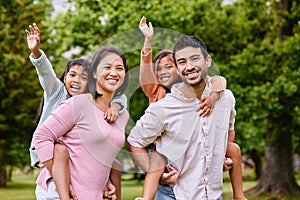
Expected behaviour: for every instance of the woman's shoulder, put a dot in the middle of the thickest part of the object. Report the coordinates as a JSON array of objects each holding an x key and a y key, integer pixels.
[{"x": 80, "y": 100}]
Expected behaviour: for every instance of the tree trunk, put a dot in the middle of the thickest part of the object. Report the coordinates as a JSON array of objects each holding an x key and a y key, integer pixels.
[
  {"x": 278, "y": 175},
  {"x": 256, "y": 157},
  {"x": 2, "y": 169}
]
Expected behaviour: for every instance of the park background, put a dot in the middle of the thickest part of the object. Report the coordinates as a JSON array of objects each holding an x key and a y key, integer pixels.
[{"x": 254, "y": 44}]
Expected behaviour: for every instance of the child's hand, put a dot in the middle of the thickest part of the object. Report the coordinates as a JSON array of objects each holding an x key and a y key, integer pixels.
[
  {"x": 33, "y": 39},
  {"x": 206, "y": 106},
  {"x": 109, "y": 191},
  {"x": 147, "y": 30},
  {"x": 112, "y": 113}
]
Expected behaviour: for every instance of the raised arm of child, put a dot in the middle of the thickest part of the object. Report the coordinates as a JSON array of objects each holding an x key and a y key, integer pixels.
[{"x": 147, "y": 78}]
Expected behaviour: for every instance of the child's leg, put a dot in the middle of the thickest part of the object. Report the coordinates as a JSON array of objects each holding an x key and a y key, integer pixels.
[
  {"x": 61, "y": 171},
  {"x": 115, "y": 177},
  {"x": 236, "y": 177},
  {"x": 156, "y": 169}
]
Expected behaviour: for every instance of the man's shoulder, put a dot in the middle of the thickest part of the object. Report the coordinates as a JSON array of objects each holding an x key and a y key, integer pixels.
[
  {"x": 228, "y": 96},
  {"x": 228, "y": 93},
  {"x": 168, "y": 99}
]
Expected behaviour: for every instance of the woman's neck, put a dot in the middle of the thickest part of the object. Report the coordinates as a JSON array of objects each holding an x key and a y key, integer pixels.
[{"x": 103, "y": 101}]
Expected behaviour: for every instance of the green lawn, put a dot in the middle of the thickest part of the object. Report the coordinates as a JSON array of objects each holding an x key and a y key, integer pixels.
[{"x": 22, "y": 187}]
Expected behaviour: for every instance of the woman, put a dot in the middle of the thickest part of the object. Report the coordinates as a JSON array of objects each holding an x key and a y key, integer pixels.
[{"x": 78, "y": 124}]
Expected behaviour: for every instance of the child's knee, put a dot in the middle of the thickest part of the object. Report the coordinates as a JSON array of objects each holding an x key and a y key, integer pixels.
[
  {"x": 233, "y": 150},
  {"x": 61, "y": 152},
  {"x": 157, "y": 162},
  {"x": 117, "y": 165}
]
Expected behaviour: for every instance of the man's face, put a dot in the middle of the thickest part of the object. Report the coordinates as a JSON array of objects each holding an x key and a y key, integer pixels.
[{"x": 192, "y": 66}]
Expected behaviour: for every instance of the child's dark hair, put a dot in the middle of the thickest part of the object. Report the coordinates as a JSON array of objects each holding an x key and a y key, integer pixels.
[
  {"x": 81, "y": 62},
  {"x": 99, "y": 55},
  {"x": 189, "y": 41},
  {"x": 160, "y": 55}
]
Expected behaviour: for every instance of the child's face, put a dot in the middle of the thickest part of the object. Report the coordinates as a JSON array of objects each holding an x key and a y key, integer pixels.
[
  {"x": 166, "y": 72},
  {"x": 76, "y": 80}
]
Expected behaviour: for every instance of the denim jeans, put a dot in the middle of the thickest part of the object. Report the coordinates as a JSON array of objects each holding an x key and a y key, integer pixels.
[{"x": 166, "y": 193}]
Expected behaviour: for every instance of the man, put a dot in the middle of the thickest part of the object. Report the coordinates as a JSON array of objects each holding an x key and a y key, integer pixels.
[{"x": 194, "y": 145}]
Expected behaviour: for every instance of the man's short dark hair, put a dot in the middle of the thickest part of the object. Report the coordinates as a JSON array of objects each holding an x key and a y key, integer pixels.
[{"x": 189, "y": 41}]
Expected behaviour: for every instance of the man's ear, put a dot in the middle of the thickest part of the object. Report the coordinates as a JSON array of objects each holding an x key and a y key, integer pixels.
[{"x": 208, "y": 61}]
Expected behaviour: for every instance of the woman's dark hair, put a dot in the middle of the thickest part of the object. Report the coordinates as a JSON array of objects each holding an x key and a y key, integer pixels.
[
  {"x": 160, "y": 55},
  {"x": 99, "y": 55},
  {"x": 81, "y": 62}
]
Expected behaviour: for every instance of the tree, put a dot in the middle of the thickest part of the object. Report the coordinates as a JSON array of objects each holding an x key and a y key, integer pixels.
[
  {"x": 252, "y": 42},
  {"x": 18, "y": 82},
  {"x": 255, "y": 44},
  {"x": 268, "y": 81}
]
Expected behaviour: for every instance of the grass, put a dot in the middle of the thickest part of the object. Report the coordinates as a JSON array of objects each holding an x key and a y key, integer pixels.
[{"x": 22, "y": 187}]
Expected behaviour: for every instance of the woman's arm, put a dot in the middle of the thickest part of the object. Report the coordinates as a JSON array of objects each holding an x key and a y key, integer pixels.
[{"x": 56, "y": 125}]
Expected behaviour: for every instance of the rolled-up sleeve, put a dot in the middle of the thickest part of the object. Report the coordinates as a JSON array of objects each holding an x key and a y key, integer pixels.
[{"x": 147, "y": 129}]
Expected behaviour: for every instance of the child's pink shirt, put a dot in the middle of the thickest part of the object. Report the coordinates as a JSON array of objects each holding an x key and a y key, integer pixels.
[{"x": 92, "y": 143}]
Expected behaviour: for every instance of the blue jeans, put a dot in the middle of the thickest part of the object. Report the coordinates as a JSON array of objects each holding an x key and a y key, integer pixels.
[{"x": 166, "y": 193}]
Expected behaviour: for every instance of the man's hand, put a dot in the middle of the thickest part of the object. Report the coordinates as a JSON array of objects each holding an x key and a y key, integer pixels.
[
  {"x": 109, "y": 191},
  {"x": 170, "y": 177},
  {"x": 33, "y": 40}
]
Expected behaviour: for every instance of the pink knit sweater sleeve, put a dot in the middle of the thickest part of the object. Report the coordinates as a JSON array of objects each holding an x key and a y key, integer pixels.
[{"x": 57, "y": 124}]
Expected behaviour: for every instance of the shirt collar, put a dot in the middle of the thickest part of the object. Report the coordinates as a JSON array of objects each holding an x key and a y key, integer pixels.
[{"x": 175, "y": 90}]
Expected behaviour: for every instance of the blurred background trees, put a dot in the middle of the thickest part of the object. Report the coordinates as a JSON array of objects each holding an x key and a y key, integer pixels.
[{"x": 254, "y": 44}]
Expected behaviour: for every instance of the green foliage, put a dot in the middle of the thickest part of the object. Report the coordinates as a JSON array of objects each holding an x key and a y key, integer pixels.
[
  {"x": 18, "y": 81},
  {"x": 262, "y": 69}
]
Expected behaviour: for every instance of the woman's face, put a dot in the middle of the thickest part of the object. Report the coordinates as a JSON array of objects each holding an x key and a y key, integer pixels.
[
  {"x": 110, "y": 73},
  {"x": 166, "y": 72},
  {"x": 76, "y": 80}
]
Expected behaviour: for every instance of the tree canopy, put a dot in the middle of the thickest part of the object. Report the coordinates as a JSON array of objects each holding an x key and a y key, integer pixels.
[{"x": 254, "y": 44}]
